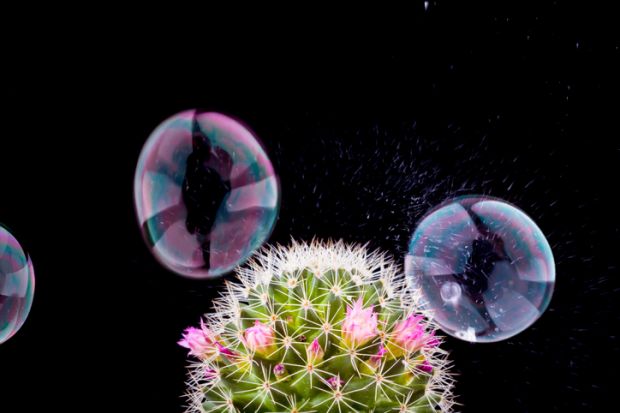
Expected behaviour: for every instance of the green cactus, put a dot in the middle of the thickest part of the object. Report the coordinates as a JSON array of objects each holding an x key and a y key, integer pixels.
[{"x": 321, "y": 328}]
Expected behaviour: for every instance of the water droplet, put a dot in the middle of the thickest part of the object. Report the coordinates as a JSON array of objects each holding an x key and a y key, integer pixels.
[
  {"x": 16, "y": 285},
  {"x": 206, "y": 193},
  {"x": 484, "y": 267},
  {"x": 450, "y": 292}
]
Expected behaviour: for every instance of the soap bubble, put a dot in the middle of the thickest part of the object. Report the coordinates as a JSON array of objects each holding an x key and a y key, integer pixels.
[
  {"x": 206, "y": 194},
  {"x": 485, "y": 269},
  {"x": 16, "y": 285}
]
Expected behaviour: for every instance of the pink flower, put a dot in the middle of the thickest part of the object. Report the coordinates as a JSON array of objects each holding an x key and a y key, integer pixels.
[
  {"x": 375, "y": 361},
  {"x": 314, "y": 352},
  {"x": 409, "y": 335},
  {"x": 199, "y": 341},
  {"x": 260, "y": 338},
  {"x": 359, "y": 325}
]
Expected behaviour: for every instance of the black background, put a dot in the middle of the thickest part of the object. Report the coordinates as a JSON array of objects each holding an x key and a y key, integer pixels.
[{"x": 367, "y": 128}]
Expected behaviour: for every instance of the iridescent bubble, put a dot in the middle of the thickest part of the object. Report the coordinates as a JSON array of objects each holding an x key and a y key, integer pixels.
[
  {"x": 16, "y": 285},
  {"x": 485, "y": 269},
  {"x": 206, "y": 193}
]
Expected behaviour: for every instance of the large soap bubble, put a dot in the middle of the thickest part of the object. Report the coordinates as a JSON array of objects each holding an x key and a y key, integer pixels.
[
  {"x": 206, "y": 193},
  {"x": 16, "y": 285},
  {"x": 484, "y": 267}
]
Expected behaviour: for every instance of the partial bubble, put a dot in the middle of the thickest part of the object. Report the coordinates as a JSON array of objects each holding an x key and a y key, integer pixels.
[
  {"x": 16, "y": 285},
  {"x": 485, "y": 269},
  {"x": 206, "y": 193}
]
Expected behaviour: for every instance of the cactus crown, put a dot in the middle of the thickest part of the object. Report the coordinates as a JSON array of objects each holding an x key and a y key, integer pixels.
[{"x": 321, "y": 327}]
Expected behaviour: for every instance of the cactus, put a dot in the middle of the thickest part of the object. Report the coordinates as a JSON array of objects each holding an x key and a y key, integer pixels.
[{"x": 320, "y": 327}]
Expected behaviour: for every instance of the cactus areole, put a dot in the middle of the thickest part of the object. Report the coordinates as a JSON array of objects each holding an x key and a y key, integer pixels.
[{"x": 321, "y": 327}]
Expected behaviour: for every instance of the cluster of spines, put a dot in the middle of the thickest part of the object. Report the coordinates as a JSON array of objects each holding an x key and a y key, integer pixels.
[{"x": 319, "y": 328}]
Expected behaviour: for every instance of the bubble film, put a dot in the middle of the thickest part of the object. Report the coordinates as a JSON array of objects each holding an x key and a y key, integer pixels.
[
  {"x": 206, "y": 193},
  {"x": 16, "y": 285},
  {"x": 484, "y": 267}
]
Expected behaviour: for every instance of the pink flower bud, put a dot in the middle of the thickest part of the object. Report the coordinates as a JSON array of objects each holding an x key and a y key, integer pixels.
[
  {"x": 212, "y": 374},
  {"x": 199, "y": 341},
  {"x": 224, "y": 350},
  {"x": 375, "y": 361},
  {"x": 279, "y": 370},
  {"x": 359, "y": 325},
  {"x": 431, "y": 340},
  {"x": 314, "y": 352},
  {"x": 426, "y": 367},
  {"x": 335, "y": 382},
  {"x": 260, "y": 338}
]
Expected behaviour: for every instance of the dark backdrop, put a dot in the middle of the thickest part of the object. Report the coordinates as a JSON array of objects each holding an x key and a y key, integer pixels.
[{"x": 367, "y": 128}]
